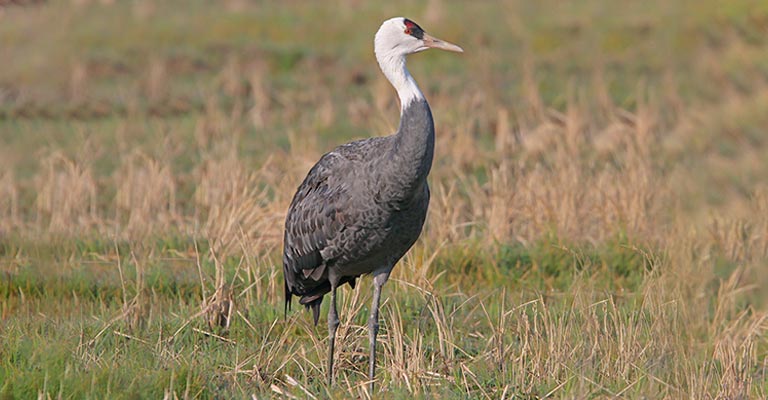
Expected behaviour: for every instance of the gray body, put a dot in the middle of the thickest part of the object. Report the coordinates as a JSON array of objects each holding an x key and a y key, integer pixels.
[{"x": 359, "y": 210}]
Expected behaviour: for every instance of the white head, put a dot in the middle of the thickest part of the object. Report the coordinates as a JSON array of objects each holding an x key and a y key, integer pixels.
[
  {"x": 396, "y": 38},
  {"x": 401, "y": 36}
]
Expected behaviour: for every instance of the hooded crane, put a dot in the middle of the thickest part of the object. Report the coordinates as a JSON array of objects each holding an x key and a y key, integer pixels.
[{"x": 362, "y": 206}]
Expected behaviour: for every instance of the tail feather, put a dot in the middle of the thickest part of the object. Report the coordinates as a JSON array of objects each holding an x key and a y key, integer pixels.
[
  {"x": 315, "y": 299},
  {"x": 316, "y": 309},
  {"x": 288, "y": 296}
]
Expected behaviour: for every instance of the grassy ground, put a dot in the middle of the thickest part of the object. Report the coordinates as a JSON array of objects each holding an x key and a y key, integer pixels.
[{"x": 598, "y": 227}]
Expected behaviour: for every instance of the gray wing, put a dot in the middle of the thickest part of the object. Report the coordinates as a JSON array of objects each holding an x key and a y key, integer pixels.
[
  {"x": 324, "y": 221},
  {"x": 313, "y": 218}
]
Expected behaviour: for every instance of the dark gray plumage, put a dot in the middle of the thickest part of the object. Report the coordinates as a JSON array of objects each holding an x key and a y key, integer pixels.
[
  {"x": 363, "y": 205},
  {"x": 359, "y": 209}
]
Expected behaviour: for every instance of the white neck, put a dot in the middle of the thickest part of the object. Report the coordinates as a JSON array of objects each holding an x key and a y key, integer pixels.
[{"x": 393, "y": 66}]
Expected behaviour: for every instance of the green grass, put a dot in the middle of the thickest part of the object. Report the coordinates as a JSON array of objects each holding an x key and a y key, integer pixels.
[
  {"x": 60, "y": 337},
  {"x": 52, "y": 341}
]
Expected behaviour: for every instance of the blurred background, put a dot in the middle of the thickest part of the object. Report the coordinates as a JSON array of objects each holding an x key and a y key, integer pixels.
[
  {"x": 591, "y": 155},
  {"x": 113, "y": 88}
]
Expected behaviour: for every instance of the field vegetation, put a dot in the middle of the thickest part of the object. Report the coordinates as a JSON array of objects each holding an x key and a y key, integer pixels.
[{"x": 598, "y": 225}]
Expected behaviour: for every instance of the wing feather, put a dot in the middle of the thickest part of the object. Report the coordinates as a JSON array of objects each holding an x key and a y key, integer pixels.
[
  {"x": 312, "y": 222},
  {"x": 324, "y": 222}
]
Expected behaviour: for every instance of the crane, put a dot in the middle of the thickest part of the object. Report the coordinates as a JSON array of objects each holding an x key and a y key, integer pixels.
[{"x": 363, "y": 205}]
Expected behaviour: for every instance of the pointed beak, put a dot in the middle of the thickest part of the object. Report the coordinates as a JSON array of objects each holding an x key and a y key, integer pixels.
[{"x": 435, "y": 43}]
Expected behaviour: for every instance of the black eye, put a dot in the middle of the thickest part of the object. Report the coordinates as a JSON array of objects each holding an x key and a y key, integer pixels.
[{"x": 412, "y": 29}]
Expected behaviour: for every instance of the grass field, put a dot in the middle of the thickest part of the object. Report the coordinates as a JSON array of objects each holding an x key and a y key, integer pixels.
[{"x": 598, "y": 225}]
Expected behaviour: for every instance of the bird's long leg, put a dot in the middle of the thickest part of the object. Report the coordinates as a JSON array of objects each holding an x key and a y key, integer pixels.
[
  {"x": 373, "y": 324},
  {"x": 333, "y": 323}
]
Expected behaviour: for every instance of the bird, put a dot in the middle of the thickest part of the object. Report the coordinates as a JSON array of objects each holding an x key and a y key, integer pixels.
[{"x": 363, "y": 205}]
